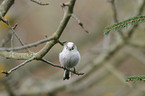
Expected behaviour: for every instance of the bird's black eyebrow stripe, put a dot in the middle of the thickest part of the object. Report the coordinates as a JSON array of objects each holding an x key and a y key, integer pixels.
[{"x": 73, "y": 45}]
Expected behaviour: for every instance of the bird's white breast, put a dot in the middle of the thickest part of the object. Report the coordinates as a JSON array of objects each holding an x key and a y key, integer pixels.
[{"x": 69, "y": 59}]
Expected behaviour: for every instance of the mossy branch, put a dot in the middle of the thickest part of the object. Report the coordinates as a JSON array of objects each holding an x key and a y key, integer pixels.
[
  {"x": 124, "y": 24},
  {"x": 17, "y": 56},
  {"x": 5, "y": 6}
]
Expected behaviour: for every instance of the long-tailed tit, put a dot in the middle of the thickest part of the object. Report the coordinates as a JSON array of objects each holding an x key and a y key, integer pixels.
[{"x": 69, "y": 58}]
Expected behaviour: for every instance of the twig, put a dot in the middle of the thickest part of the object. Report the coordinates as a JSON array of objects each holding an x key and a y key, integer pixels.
[
  {"x": 39, "y": 3},
  {"x": 12, "y": 41},
  {"x": 61, "y": 43},
  {"x": 12, "y": 37},
  {"x": 114, "y": 10},
  {"x": 15, "y": 68},
  {"x": 29, "y": 45},
  {"x": 79, "y": 22},
  {"x": 6, "y": 21},
  {"x": 54, "y": 65},
  {"x": 8, "y": 37}
]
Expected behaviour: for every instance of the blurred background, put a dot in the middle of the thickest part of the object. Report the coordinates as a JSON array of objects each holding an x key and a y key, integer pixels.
[{"x": 35, "y": 22}]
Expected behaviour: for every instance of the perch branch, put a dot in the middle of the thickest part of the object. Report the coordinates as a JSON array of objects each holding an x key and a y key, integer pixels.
[{"x": 54, "y": 65}]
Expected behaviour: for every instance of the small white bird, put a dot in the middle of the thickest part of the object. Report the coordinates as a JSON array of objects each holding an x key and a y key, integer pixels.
[{"x": 69, "y": 58}]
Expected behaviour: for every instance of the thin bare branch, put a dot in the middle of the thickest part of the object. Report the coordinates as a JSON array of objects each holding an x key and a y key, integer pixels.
[
  {"x": 6, "y": 22},
  {"x": 7, "y": 38},
  {"x": 39, "y": 3},
  {"x": 79, "y": 22},
  {"x": 15, "y": 68},
  {"x": 29, "y": 45}
]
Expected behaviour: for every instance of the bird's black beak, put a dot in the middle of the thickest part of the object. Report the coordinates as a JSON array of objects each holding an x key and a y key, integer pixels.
[{"x": 70, "y": 49}]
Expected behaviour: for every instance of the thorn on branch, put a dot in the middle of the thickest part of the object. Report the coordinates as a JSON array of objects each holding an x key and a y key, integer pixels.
[{"x": 39, "y": 3}]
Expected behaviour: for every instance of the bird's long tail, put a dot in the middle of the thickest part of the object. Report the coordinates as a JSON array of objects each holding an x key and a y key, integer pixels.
[{"x": 67, "y": 75}]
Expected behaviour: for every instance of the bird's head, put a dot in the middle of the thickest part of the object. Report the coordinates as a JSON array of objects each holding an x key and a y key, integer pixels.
[{"x": 70, "y": 46}]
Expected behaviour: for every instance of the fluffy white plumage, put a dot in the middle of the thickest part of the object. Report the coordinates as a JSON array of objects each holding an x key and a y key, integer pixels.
[{"x": 69, "y": 58}]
